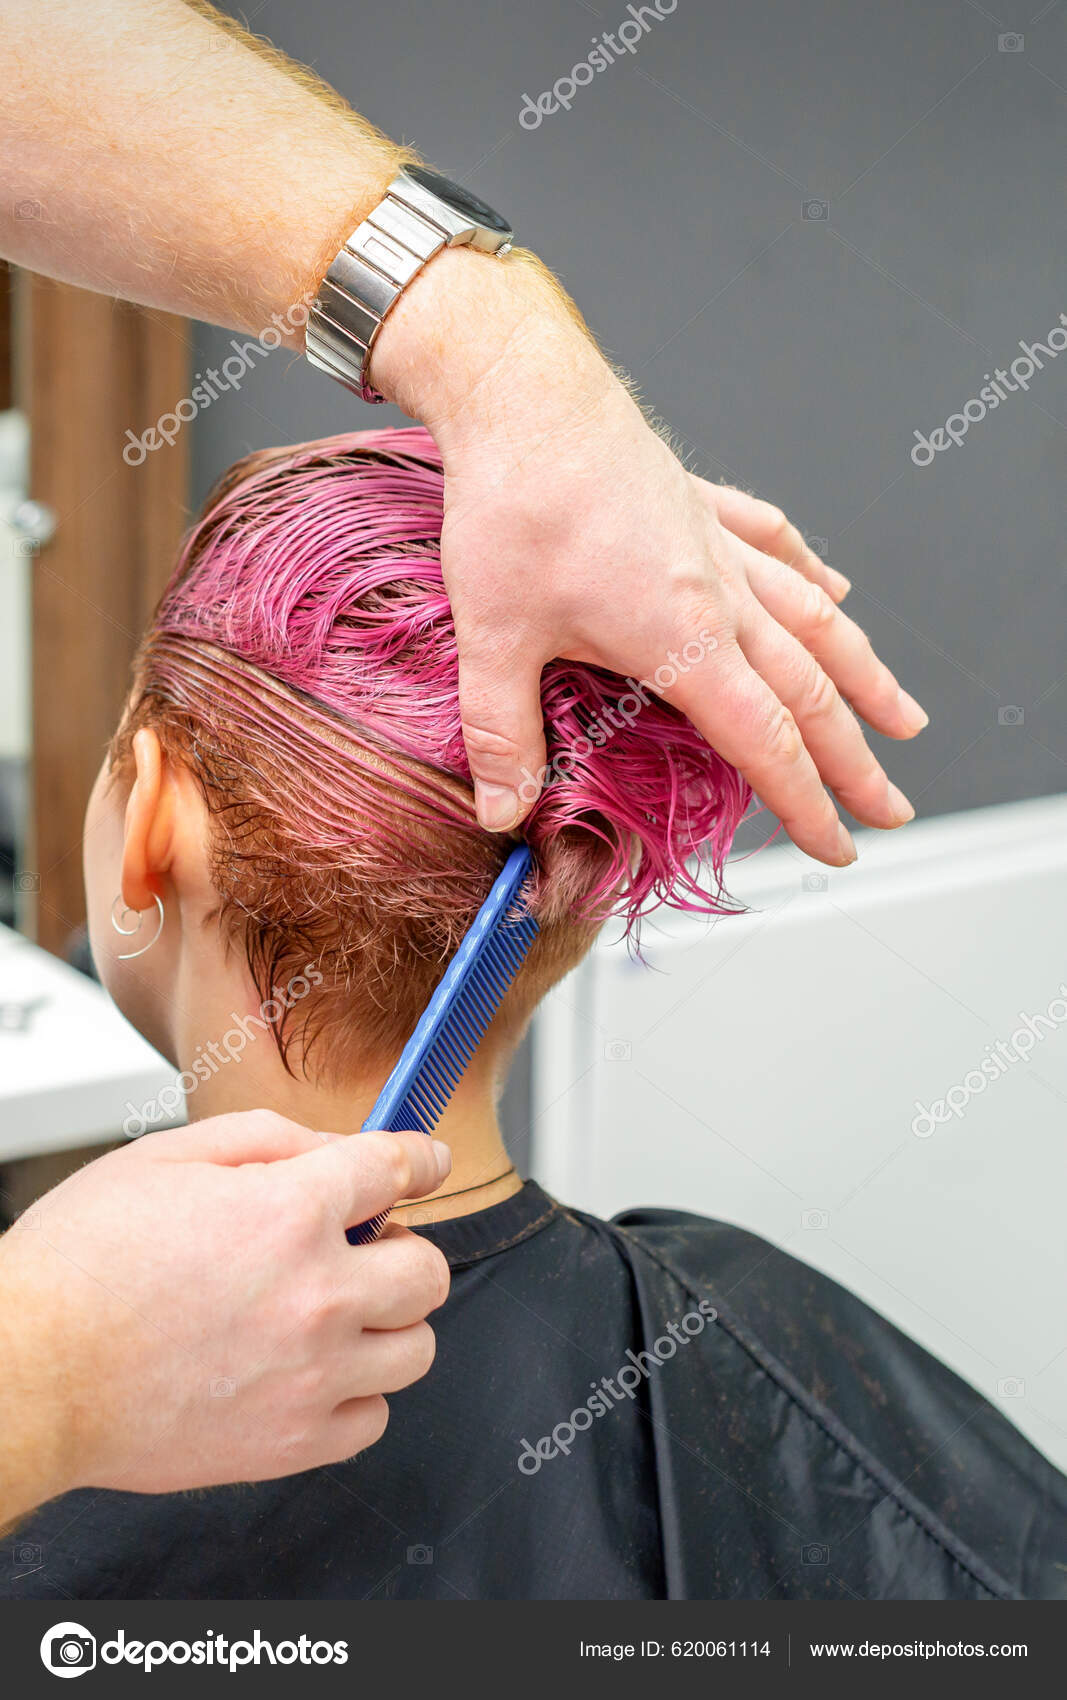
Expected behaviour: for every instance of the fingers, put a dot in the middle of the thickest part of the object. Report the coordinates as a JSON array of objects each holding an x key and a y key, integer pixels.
[
  {"x": 354, "y": 1425},
  {"x": 832, "y": 735},
  {"x": 386, "y": 1362},
  {"x": 332, "y": 1438},
  {"x": 404, "y": 1278},
  {"x": 246, "y": 1136},
  {"x": 743, "y": 718},
  {"x": 356, "y": 1176},
  {"x": 838, "y": 645},
  {"x": 768, "y": 529},
  {"x": 500, "y": 702}
]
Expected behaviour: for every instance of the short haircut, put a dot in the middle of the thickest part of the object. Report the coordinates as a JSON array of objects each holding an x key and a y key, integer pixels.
[{"x": 302, "y": 663}]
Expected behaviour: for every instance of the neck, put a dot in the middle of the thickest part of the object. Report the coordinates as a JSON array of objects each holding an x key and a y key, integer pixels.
[{"x": 469, "y": 1125}]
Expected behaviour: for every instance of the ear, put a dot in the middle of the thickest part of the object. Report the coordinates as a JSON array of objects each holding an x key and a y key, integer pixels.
[{"x": 149, "y": 830}]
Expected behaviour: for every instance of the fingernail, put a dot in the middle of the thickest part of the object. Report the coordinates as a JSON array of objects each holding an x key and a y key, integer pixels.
[
  {"x": 841, "y": 584},
  {"x": 899, "y": 806},
  {"x": 497, "y": 805},
  {"x": 913, "y": 716},
  {"x": 444, "y": 1159},
  {"x": 845, "y": 845}
]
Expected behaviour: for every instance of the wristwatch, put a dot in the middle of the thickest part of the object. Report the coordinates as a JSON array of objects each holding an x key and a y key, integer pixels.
[{"x": 421, "y": 213}]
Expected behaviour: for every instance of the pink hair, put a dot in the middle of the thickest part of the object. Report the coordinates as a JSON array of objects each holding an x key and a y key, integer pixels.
[{"x": 319, "y": 567}]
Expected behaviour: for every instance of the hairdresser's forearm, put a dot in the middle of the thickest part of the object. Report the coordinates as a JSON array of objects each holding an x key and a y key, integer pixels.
[
  {"x": 35, "y": 1440},
  {"x": 151, "y": 153},
  {"x": 147, "y": 152}
]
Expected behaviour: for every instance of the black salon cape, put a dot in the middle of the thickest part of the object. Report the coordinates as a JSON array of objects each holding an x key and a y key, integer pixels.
[{"x": 797, "y": 1447}]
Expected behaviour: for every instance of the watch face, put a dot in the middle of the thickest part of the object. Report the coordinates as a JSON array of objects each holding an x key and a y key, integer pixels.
[{"x": 459, "y": 199}]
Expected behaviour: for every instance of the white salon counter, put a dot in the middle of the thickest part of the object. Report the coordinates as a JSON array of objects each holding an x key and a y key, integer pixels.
[{"x": 71, "y": 1065}]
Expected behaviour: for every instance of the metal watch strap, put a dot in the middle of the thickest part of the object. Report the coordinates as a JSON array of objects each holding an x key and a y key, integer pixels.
[{"x": 364, "y": 281}]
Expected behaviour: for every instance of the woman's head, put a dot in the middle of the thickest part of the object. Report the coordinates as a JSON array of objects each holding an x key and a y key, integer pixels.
[{"x": 291, "y": 779}]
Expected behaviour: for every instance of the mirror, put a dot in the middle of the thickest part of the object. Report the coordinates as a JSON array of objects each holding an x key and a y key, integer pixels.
[{"x": 25, "y": 525}]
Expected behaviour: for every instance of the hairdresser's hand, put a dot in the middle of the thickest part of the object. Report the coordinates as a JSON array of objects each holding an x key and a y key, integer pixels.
[
  {"x": 571, "y": 529},
  {"x": 187, "y": 1310}
]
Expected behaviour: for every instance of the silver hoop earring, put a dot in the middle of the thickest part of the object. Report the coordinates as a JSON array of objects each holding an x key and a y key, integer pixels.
[{"x": 130, "y": 932}]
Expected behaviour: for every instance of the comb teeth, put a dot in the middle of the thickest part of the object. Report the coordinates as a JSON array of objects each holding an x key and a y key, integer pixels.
[
  {"x": 452, "y": 1026},
  {"x": 367, "y": 1231},
  {"x": 435, "y": 1079}
]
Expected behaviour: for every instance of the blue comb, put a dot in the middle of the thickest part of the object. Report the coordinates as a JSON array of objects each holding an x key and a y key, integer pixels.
[{"x": 453, "y": 1022}]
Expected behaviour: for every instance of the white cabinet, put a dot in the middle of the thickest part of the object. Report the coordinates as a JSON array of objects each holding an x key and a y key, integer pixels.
[{"x": 771, "y": 1070}]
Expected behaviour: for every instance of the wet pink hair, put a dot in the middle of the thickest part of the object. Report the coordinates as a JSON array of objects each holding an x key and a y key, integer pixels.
[{"x": 305, "y": 657}]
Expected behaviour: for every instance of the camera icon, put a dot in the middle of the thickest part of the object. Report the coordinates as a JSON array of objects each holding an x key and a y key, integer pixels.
[
  {"x": 816, "y": 209},
  {"x": 815, "y": 882},
  {"x": 1010, "y": 42},
  {"x": 223, "y": 1387},
  {"x": 27, "y": 882},
  {"x": 618, "y": 1050},
  {"x": 420, "y": 1219},
  {"x": 420, "y": 1555},
  {"x": 27, "y": 209},
  {"x": 68, "y": 1649},
  {"x": 1010, "y": 1387},
  {"x": 27, "y": 1554},
  {"x": 27, "y": 546},
  {"x": 815, "y": 1553},
  {"x": 815, "y": 1220},
  {"x": 1010, "y": 715},
  {"x": 818, "y": 545}
]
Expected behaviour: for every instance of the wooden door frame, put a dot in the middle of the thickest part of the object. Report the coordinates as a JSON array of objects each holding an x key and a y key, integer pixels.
[
  {"x": 88, "y": 370},
  {"x": 6, "y": 337}
]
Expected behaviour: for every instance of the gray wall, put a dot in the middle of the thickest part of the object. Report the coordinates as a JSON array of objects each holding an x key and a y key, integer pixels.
[{"x": 792, "y": 354}]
